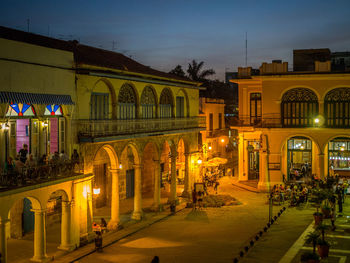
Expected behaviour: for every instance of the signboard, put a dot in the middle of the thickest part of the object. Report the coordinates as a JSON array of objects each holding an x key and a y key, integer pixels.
[{"x": 274, "y": 166}]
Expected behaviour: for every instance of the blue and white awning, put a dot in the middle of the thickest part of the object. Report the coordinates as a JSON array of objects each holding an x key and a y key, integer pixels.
[{"x": 34, "y": 98}]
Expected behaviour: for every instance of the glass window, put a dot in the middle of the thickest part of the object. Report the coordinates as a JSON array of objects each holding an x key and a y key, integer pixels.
[
  {"x": 166, "y": 103},
  {"x": 255, "y": 108},
  {"x": 337, "y": 108},
  {"x": 20, "y": 110},
  {"x": 299, "y": 108},
  {"x": 53, "y": 110},
  {"x": 126, "y": 103}
]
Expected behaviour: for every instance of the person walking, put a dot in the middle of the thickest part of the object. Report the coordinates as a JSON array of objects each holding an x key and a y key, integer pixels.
[
  {"x": 155, "y": 259},
  {"x": 216, "y": 186},
  {"x": 194, "y": 199}
]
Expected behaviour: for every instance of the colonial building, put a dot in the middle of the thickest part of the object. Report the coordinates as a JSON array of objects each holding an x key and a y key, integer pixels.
[
  {"x": 290, "y": 119},
  {"x": 135, "y": 130}
]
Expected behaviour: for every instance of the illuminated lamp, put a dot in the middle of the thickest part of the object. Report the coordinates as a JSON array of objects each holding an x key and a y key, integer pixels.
[
  {"x": 342, "y": 148},
  {"x": 45, "y": 124},
  {"x": 317, "y": 120},
  {"x": 120, "y": 166},
  {"x": 209, "y": 147},
  {"x": 222, "y": 140},
  {"x": 5, "y": 126},
  {"x": 199, "y": 161},
  {"x": 96, "y": 191},
  {"x": 302, "y": 147}
]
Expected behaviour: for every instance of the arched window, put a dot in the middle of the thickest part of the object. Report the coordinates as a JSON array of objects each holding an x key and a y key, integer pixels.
[
  {"x": 126, "y": 103},
  {"x": 20, "y": 110},
  {"x": 337, "y": 108},
  {"x": 53, "y": 110},
  {"x": 299, "y": 108},
  {"x": 166, "y": 103},
  {"x": 148, "y": 103}
]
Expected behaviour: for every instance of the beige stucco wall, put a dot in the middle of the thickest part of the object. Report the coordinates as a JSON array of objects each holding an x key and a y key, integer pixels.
[{"x": 272, "y": 89}]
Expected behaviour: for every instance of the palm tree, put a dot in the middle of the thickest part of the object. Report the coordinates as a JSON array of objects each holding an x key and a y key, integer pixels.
[
  {"x": 178, "y": 71},
  {"x": 195, "y": 73}
]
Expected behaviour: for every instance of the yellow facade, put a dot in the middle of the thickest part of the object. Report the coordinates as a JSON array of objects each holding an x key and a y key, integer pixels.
[{"x": 269, "y": 133}]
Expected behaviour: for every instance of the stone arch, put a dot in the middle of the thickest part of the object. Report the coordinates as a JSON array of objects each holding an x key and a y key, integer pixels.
[
  {"x": 149, "y": 102},
  {"x": 288, "y": 89},
  {"x": 105, "y": 159},
  {"x": 100, "y": 88},
  {"x": 59, "y": 192},
  {"x": 166, "y": 103},
  {"x": 284, "y": 142},
  {"x": 332, "y": 138},
  {"x": 150, "y": 161},
  {"x": 128, "y": 102},
  {"x": 187, "y": 104}
]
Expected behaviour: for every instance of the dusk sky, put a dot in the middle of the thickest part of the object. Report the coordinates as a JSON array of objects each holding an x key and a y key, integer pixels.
[{"x": 162, "y": 34}]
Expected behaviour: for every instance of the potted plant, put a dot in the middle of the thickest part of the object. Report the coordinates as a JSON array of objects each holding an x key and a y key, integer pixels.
[
  {"x": 311, "y": 257},
  {"x": 326, "y": 209},
  {"x": 319, "y": 196},
  {"x": 322, "y": 244}
]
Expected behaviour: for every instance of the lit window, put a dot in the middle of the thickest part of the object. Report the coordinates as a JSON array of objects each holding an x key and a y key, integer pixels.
[
  {"x": 20, "y": 109},
  {"x": 53, "y": 110}
]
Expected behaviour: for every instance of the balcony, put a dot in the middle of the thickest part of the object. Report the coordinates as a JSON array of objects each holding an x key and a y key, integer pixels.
[
  {"x": 217, "y": 133},
  {"x": 267, "y": 121},
  {"x": 105, "y": 130},
  {"x": 39, "y": 175}
]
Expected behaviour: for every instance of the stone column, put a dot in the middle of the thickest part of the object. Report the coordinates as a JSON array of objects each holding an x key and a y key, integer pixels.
[
  {"x": 3, "y": 239},
  {"x": 173, "y": 196},
  {"x": 187, "y": 189},
  {"x": 114, "y": 222},
  {"x": 137, "y": 214},
  {"x": 264, "y": 176},
  {"x": 66, "y": 241},
  {"x": 156, "y": 197},
  {"x": 321, "y": 165},
  {"x": 39, "y": 236}
]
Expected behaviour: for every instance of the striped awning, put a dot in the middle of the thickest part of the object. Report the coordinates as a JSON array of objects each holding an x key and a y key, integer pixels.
[{"x": 34, "y": 98}]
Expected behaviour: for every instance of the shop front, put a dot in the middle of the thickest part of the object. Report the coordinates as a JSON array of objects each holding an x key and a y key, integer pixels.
[
  {"x": 299, "y": 157},
  {"x": 339, "y": 157}
]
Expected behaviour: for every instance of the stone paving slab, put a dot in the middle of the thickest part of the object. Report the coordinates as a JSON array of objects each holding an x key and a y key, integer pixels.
[{"x": 111, "y": 237}]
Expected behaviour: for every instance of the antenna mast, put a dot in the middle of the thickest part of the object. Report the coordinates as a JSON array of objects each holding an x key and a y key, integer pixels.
[{"x": 246, "y": 48}]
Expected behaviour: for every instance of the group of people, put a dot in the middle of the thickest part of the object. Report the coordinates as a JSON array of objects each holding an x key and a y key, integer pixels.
[
  {"x": 24, "y": 165},
  {"x": 296, "y": 193},
  {"x": 296, "y": 173}
]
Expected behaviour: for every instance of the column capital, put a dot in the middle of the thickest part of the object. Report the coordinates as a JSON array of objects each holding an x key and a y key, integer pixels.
[
  {"x": 39, "y": 211},
  {"x": 116, "y": 170},
  {"x": 137, "y": 166},
  {"x": 321, "y": 154}
]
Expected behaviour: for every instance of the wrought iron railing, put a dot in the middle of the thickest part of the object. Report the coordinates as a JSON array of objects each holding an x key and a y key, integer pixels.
[
  {"x": 101, "y": 128},
  {"x": 16, "y": 178},
  {"x": 266, "y": 121}
]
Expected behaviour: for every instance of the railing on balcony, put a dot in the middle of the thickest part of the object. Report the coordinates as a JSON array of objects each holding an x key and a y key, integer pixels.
[
  {"x": 217, "y": 133},
  {"x": 266, "y": 121},
  {"x": 17, "y": 178},
  {"x": 101, "y": 128}
]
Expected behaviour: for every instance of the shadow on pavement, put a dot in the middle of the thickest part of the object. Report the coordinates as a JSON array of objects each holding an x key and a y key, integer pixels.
[{"x": 197, "y": 215}]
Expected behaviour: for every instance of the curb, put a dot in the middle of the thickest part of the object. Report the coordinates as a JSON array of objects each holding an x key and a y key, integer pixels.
[{"x": 246, "y": 187}]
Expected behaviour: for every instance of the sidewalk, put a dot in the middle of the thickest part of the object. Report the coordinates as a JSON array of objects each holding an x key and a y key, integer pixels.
[
  {"x": 284, "y": 241},
  {"x": 109, "y": 238}
]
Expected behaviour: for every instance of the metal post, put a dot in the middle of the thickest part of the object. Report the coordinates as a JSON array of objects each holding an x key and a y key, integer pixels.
[{"x": 270, "y": 207}]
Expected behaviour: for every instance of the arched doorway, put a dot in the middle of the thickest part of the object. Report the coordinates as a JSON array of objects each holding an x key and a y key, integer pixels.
[
  {"x": 180, "y": 167},
  {"x": 339, "y": 156},
  {"x": 21, "y": 229},
  {"x": 299, "y": 157},
  {"x": 165, "y": 170},
  {"x": 102, "y": 179},
  {"x": 131, "y": 182}
]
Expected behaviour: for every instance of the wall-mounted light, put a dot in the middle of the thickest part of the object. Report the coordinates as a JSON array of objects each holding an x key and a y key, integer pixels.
[
  {"x": 45, "y": 124},
  {"x": 222, "y": 140},
  {"x": 120, "y": 166},
  {"x": 96, "y": 191},
  {"x": 209, "y": 147},
  {"x": 5, "y": 126},
  {"x": 199, "y": 161},
  {"x": 317, "y": 120}
]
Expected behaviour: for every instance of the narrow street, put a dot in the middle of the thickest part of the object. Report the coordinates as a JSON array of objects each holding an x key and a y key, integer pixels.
[{"x": 208, "y": 235}]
